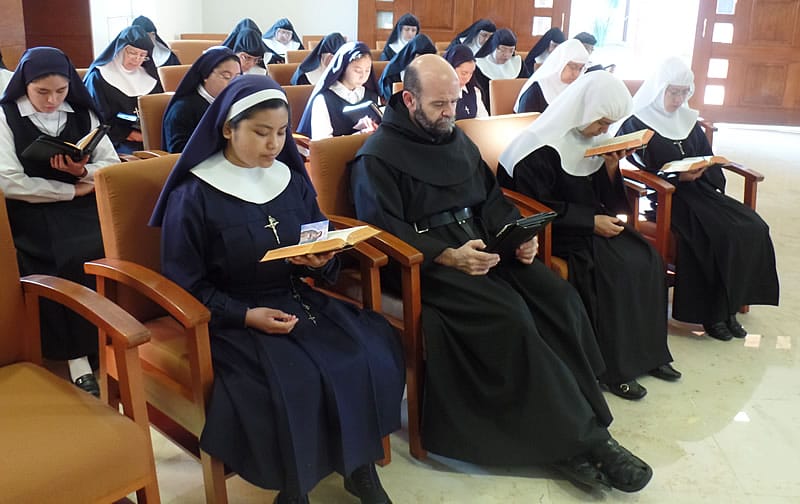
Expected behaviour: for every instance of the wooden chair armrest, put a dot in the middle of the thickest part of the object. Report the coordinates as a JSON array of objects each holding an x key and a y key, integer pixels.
[
  {"x": 148, "y": 154},
  {"x": 748, "y": 173},
  {"x": 181, "y": 305},
  {"x": 394, "y": 247},
  {"x": 650, "y": 180},
  {"x": 664, "y": 192},
  {"x": 635, "y": 187},
  {"x": 529, "y": 206},
  {"x": 123, "y": 328}
]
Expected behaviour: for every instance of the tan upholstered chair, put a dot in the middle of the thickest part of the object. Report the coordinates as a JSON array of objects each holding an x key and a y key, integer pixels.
[
  {"x": 378, "y": 67},
  {"x": 328, "y": 170},
  {"x": 82, "y": 72},
  {"x": 190, "y": 50},
  {"x": 282, "y": 72},
  {"x": 297, "y": 56},
  {"x": 60, "y": 444},
  {"x": 397, "y": 87},
  {"x": 441, "y": 46},
  {"x": 311, "y": 41},
  {"x": 376, "y": 53},
  {"x": 171, "y": 76},
  {"x": 218, "y": 37},
  {"x": 151, "y": 118},
  {"x": 298, "y": 98},
  {"x": 379, "y": 45},
  {"x": 503, "y": 95}
]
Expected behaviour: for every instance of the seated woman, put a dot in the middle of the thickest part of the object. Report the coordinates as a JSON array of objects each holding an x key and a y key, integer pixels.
[
  {"x": 314, "y": 65},
  {"x": 475, "y": 35},
  {"x": 304, "y": 384},
  {"x": 542, "y": 48},
  {"x": 404, "y": 31},
  {"x": 203, "y": 82},
  {"x": 162, "y": 54},
  {"x": 5, "y": 74},
  {"x": 612, "y": 267},
  {"x": 559, "y": 71},
  {"x": 122, "y": 73},
  {"x": 497, "y": 60},
  {"x": 725, "y": 257},
  {"x": 51, "y": 204},
  {"x": 347, "y": 81},
  {"x": 421, "y": 44},
  {"x": 470, "y": 104},
  {"x": 280, "y": 38},
  {"x": 245, "y": 40}
]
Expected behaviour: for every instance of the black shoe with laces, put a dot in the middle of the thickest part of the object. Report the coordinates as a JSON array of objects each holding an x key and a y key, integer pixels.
[
  {"x": 365, "y": 484},
  {"x": 88, "y": 383}
]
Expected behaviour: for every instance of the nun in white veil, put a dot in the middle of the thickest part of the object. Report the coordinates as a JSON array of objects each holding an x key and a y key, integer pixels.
[
  {"x": 725, "y": 257},
  {"x": 566, "y": 63},
  {"x": 611, "y": 265}
]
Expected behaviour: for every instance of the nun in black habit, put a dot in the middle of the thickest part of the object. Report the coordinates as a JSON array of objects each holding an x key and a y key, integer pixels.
[
  {"x": 566, "y": 64},
  {"x": 497, "y": 59},
  {"x": 51, "y": 204},
  {"x": 725, "y": 257},
  {"x": 511, "y": 359},
  {"x": 475, "y": 35},
  {"x": 203, "y": 82},
  {"x": 542, "y": 48},
  {"x": 314, "y": 65},
  {"x": 162, "y": 54},
  {"x": 245, "y": 40},
  {"x": 347, "y": 81},
  {"x": 280, "y": 38},
  {"x": 618, "y": 274},
  {"x": 304, "y": 384},
  {"x": 406, "y": 28},
  {"x": 122, "y": 73},
  {"x": 421, "y": 44},
  {"x": 470, "y": 104}
]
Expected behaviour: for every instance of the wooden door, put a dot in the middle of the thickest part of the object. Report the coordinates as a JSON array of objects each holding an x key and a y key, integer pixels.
[
  {"x": 442, "y": 20},
  {"x": 747, "y": 61}
]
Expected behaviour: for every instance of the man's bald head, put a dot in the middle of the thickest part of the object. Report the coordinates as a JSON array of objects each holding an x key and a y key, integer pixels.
[{"x": 427, "y": 71}]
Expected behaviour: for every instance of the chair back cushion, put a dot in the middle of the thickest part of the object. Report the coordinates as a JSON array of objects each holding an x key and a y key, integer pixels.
[
  {"x": 171, "y": 76},
  {"x": 189, "y": 50},
  {"x": 218, "y": 37},
  {"x": 12, "y": 307},
  {"x": 298, "y": 98},
  {"x": 329, "y": 173},
  {"x": 297, "y": 56},
  {"x": 493, "y": 134},
  {"x": 282, "y": 72},
  {"x": 503, "y": 95},
  {"x": 151, "y": 116}
]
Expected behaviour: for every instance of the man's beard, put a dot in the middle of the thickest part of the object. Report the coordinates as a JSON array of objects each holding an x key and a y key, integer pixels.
[{"x": 439, "y": 129}]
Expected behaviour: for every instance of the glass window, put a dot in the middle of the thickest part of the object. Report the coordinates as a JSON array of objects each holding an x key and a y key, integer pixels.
[
  {"x": 718, "y": 68},
  {"x": 714, "y": 95},
  {"x": 723, "y": 33},
  {"x": 541, "y": 24},
  {"x": 385, "y": 20},
  {"x": 726, "y": 6}
]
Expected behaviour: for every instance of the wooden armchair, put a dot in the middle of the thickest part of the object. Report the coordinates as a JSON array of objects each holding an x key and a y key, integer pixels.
[
  {"x": 328, "y": 170},
  {"x": 60, "y": 444},
  {"x": 171, "y": 76},
  {"x": 151, "y": 117},
  {"x": 503, "y": 95}
]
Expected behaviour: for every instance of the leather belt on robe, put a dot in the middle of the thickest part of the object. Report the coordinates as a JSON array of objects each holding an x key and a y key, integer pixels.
[{"x": 460, "y": 216}]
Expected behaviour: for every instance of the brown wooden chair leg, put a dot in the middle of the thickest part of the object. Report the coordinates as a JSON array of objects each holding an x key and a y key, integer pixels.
[
  {"x": 387, "y": 452},
  {"x": 214, "y": 479}
]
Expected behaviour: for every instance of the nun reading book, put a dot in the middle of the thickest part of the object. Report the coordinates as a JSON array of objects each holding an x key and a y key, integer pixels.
[
  {"x": 122, "y": 73},
  {"x": 542, "y": 49},
  {"x": 475, "y": 35},
  {"x": 280, "y": 38},
  {"x": 304, "y": 385},
  {"x": 565, "y": 64},
  {"x": 313, "y": 66},
  {"x": 394, "y": 71},
  {"x": 245, "y": 40},
  {"x": 725, "y": 256},
  {"x": 612, "y": 266},
  {"x": 347, "y": 81},
  {"x": 162, "y": 54},
  {"x": 406, "y": 28},
  {"x": 51, "y": 204},
  {"x": 497, "y": 59}
]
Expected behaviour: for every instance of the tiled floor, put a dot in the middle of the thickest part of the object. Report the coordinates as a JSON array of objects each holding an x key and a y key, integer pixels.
[{"x": 727, "y": 433}]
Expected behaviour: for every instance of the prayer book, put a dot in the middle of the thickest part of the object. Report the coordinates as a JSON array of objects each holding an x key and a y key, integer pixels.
[
  {"x": 623, "y": 142},
  {"x": 336, "y": 240},
  {"x": 46, "y": 146},
  {"x": 359, "y": 110},
  {"x": 516, "y": 233},
  {"x": 691, "y": 164}
]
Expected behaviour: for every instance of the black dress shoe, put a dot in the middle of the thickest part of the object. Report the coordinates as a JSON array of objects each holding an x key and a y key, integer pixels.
[
  {"x": 282, "y": 498},
  {"x": 666, "y": 372},
  {"x": 88, "y": 383},
  {"x": 735, "y": 327},
  {"x": 718, "y": 330},
  {"x": 631, "y": 390},
  {"x": 365, "y": 484},
  {"x": 624, "y": 470},
  {"x": 582, "y": 473}
]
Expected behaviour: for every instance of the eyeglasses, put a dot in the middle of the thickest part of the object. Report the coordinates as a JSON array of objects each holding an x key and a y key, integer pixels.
[
  {"x": 226, "y": 76},
  {"x": 678, "y": 92},
  {"x": 137, "y": 55},
  {"x": 251, "y": 59}
]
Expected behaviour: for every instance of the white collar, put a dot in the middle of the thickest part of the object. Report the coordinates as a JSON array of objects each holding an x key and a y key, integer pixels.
[
  {"x": 135, "y": 82},
  {"x": 281, "y": 48},
  {"x": 255, "y": 185},
  {"x": 52, "y": 123},
  {"x": 26, "y": 107},
  {"x": 354, "y": 96},
  {"x": 398, "y": 44},
  {"x": 314, "y": 75},
  {"x": 202, "y": 91},
  {"x": 161, "y": 53},
  {"x": 648, "y": 103},
  {"x": 508, "y": 70}
]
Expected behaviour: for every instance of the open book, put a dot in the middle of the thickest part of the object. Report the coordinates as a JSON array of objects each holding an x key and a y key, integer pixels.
[
  {"x": 623, "y": 142},
  {"x": 45, "y": 146},
  {"x": 366, "y": 108},
  {"x": 336, "y": 240},
  {"x": 516, "y": 233},
  {"x": 691, "y": 164}
]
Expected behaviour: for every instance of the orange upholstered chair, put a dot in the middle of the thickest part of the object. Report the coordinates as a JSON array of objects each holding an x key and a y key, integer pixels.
[
  {"x": 60, "y": 444},
  {"x": 503, "y": 95},
  {"x": 282, "y": 72},
  {"x": 151, "y": 118},
  {"x": 189, "y": 50},
  {"x": 297, "y": 56},
  {"x": 171, "y": 76}
]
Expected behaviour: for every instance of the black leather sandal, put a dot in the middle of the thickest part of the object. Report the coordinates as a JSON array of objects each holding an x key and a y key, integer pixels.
[{"x": 625, "y": 471}]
